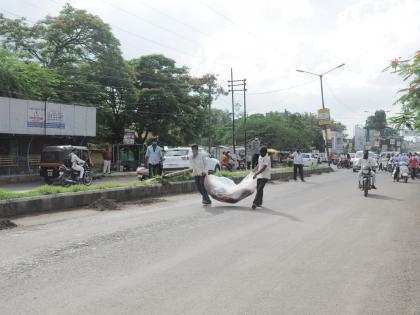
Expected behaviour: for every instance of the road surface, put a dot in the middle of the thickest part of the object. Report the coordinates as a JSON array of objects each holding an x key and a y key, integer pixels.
[{"x": 318, "y": 247}]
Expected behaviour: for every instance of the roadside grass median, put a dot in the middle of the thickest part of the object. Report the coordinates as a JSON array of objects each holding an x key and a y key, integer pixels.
[{"x": 52, "y": 190}]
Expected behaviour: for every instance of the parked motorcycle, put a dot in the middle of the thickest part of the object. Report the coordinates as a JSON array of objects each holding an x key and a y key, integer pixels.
[
  {"x": 365, "y": 181},
  {"x": 402, "y": 173},
  {"x": 69, "y": 176}
]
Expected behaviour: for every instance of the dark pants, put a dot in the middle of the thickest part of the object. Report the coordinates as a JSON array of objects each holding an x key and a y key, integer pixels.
[
  {"x": 199, "y": 182},
  {"x": 297, "y": 167},
  {"x": 397, "y": 172},
  {"x": 260, "y": 191},
  {"x": 413, "y": 172},
  {"x": 153, "y": 170}
]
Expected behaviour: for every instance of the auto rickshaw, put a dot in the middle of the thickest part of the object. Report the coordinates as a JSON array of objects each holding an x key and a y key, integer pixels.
[{"x": 53, "y": 157}]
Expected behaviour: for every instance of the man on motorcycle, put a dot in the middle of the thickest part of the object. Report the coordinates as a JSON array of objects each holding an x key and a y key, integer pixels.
[
  {"x": 76, "y": 163},
  {"x": 369, "y": 162}
]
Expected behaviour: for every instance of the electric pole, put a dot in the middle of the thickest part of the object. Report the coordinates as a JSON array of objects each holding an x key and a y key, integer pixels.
[{"x": 232, "y": 84}]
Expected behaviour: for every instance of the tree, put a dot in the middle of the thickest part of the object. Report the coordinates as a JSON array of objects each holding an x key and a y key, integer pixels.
[
  {"x": 207, "y": 89},
  {"x": 166, "y": 107},
  {"x": 74, "y": 36},
  {"x": 377, "y": 121},
  {"x": 26, "y": 79},
  {"x": 409, "y": 70}
]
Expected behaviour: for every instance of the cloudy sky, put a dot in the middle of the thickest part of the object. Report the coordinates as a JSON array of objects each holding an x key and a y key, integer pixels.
[{"x": 265, "y": 42}]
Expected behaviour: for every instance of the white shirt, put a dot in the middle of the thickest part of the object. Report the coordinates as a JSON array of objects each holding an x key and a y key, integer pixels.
[
  {"x": 198, "y": 164},
  {"x": 153, "y": 155},
  {"x": 264, "y": 161},
  {"x": 369, "y": 162},
  {"x": 297, "y": 158},
  {"x": 75, "y": 160}
]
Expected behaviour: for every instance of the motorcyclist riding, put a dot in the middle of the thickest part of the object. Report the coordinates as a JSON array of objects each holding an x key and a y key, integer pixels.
[
  {"x": 77, "y": 163},
  {"x": 369, "y": 162}
]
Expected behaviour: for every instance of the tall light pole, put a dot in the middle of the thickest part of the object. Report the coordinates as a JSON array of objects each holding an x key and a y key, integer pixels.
[{"x": 323, "y": 106}]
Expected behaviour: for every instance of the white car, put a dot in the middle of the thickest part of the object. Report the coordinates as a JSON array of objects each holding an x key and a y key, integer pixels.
[
  {"x": 179, "y": 159},
  {"x": 309, "y": 159}
]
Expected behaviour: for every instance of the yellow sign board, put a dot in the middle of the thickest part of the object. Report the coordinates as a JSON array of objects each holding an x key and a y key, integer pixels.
[{"x": 324, "y": 117}]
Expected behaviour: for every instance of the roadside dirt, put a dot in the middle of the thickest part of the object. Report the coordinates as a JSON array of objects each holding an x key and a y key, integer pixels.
[{"x": 7, "y": 224}]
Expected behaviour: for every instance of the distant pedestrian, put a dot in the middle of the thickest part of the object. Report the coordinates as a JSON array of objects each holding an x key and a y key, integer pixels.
[
  {"x": 413, "y": 164},
  {"x": 199, "y": 170},
  {"x": 263, "y": 175},
  {"x": 298, "y": 165},
  {"x": 107, "y": 156},
  {"x": 153, "y": 159}
]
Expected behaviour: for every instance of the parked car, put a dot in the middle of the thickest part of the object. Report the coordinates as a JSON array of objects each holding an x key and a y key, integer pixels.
[
  {"x": 179, "y": 159},
  {"x": 357, "y": 157},
  {"x": 309, "y": 159}
]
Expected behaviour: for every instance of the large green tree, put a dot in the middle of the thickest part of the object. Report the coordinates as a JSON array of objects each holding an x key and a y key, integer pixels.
[
  {"x": 74, "y": 36},
  {"x": 166, "y": 108}
]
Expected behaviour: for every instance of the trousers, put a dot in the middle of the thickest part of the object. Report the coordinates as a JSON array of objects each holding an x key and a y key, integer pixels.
[
  {"x": 258, "y": 200},
  {"x": 297, "y": 167},
  {"x": 199, "y": 182}
]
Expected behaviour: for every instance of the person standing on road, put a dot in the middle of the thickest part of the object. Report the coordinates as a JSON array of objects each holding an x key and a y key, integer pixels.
[
  {"x": 107, "y": 155},
  {"x": 298, "y": 165},
  {"x": 412, "y": 165},
  {"x": 199, "y": 170},
  {"x": 153, "y": 159},
  {"x": 263, "y": 175}
]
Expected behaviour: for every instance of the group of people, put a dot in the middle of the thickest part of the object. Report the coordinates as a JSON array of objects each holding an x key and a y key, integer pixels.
[
  {"x": 262, "y": 172},
  {"x": 411, "y": 160}
]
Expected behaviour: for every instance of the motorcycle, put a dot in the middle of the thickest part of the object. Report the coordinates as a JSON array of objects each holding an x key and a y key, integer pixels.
[
  {"x": 389, "y": 166},
  {"x": 69, "y": 176},
  {"x": 343, "y": 163},
  {"x": 402, "y": 173},
  {"x": 365, "y": 181}
]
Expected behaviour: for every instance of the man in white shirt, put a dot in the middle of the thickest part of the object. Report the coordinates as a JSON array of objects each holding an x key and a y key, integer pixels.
[
  {"x": 369, "y": 162},
  {"x": 153, "y": 159},
  {"x": 77, "y": 163},
  {"x": 298, "y": 164},
  {"x": 263, "y": 174},
  {"x": 199, "y": 169}
]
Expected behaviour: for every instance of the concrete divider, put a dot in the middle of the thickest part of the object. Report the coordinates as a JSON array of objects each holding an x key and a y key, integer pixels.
[{"x": 40, "y": 204}]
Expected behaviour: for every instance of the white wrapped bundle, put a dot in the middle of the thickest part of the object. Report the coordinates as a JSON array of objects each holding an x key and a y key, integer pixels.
[{"x": 225, "y": 190}]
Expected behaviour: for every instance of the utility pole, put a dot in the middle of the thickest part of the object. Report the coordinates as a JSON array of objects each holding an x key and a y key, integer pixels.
[
  {"x": 210, "y": 99},
  {"x": 233, "y": 112},
  {"x": 232, "y": 84},
  {"x": 323, "y": 107}
]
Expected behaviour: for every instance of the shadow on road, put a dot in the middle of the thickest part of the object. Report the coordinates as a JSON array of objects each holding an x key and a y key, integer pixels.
[
  {"x": 221, "y": 209},
  {"x": 382, "y": 197}
]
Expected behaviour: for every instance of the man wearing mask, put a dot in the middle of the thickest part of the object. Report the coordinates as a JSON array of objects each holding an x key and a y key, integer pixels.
[
  {"x": 298, "y": 165},
  {"x": 199, "y": 170},
  {"x": 153, "y": 159},
  {"x": 369, "y": 162},
  {"x": 263, "y": 175}
]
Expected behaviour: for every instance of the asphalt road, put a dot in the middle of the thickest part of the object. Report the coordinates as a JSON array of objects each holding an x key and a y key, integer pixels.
[{"x": 318, "y": 247}]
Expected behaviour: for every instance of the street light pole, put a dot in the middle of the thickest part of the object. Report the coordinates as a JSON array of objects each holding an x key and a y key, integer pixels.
[{"x": 323, "y": 105}]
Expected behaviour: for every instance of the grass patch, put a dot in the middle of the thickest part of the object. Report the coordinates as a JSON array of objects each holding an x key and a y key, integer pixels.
[{"x": 51, "y": 190}]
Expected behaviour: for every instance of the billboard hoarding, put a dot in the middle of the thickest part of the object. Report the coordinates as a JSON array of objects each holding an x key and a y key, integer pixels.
[{"x": 19, "y": 116}]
